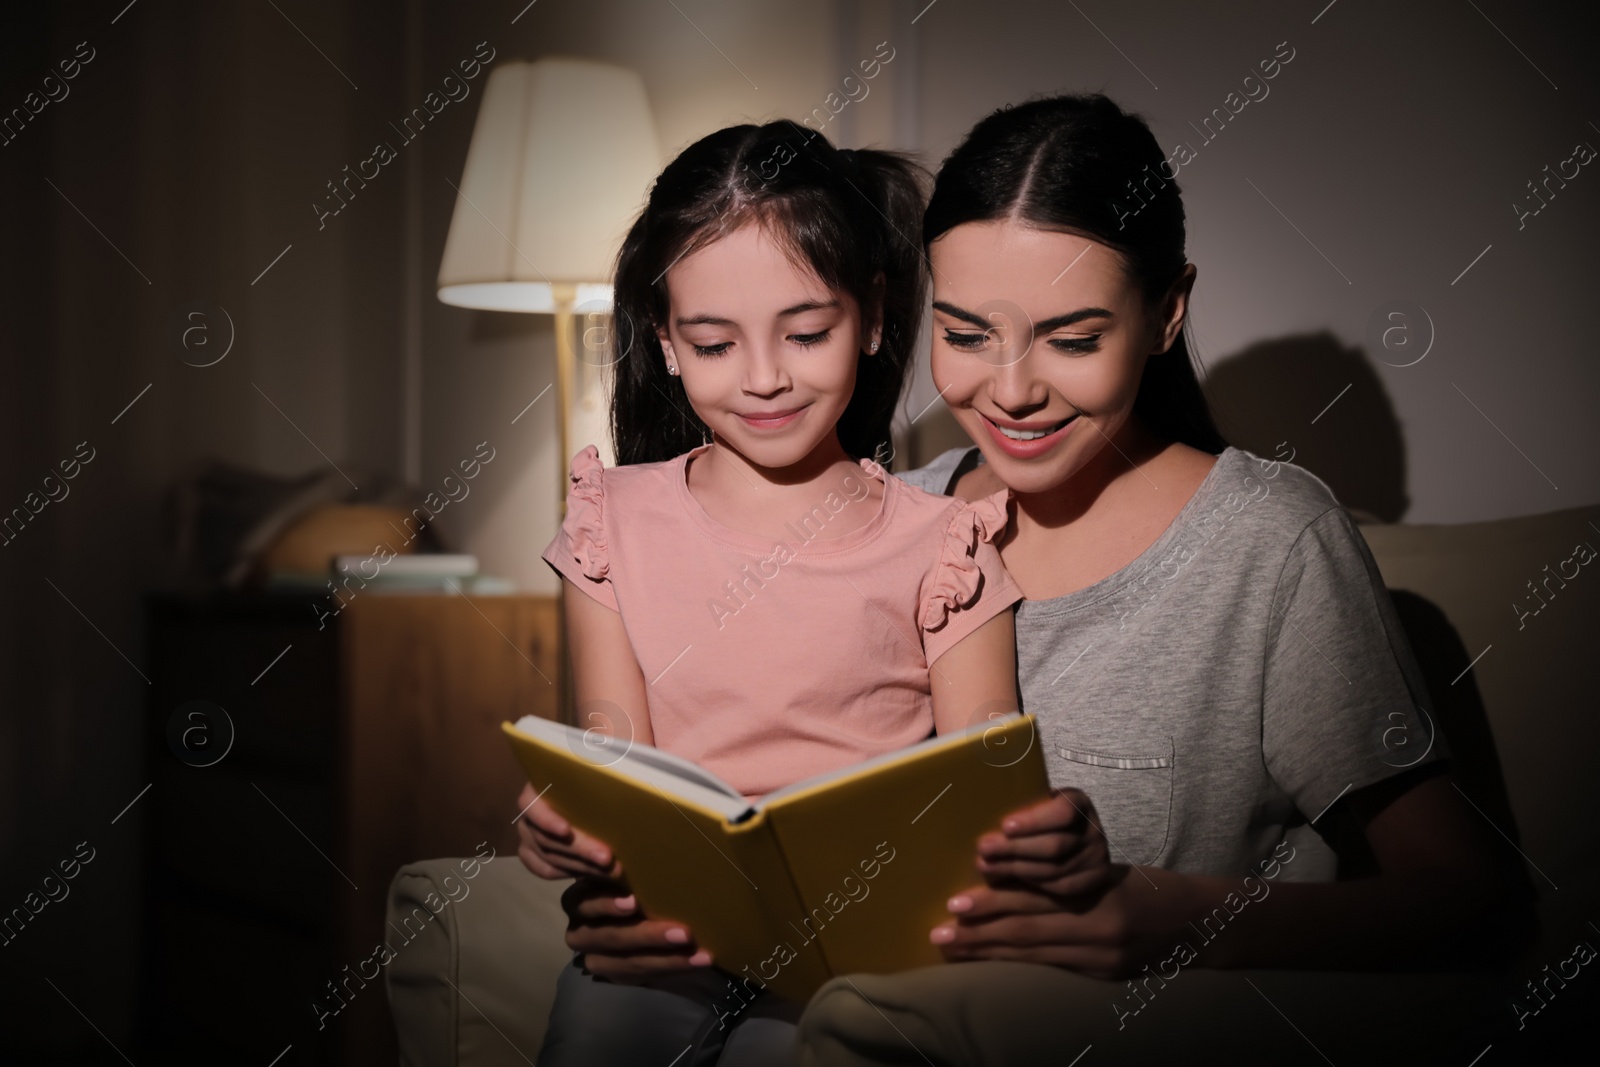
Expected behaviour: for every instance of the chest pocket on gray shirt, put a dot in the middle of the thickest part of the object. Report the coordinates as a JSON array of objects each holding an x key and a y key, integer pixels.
[{"x": 1131, "y": 788}]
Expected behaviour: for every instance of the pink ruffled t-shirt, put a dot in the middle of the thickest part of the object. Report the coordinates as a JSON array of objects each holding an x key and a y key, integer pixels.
[{"x": 768, "y": 662}]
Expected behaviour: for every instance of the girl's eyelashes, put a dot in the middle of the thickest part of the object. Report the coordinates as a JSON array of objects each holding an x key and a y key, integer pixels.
[{"x": 806, "y": 340}]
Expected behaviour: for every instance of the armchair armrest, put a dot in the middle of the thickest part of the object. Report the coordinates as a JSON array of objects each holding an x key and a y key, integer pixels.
[{"x": 476, "y": 956}]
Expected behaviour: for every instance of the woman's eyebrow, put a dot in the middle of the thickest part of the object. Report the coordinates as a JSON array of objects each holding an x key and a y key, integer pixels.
[
  {"x": 702, "y": 320},
  {"x": 1043, "y": 326},
  {"x": 1071, "y": 317}
]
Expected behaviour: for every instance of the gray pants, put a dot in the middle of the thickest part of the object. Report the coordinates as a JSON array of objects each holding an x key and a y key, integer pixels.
[
  {"x": 996, "y": 1013},
  {"x": 685, "y": 1019}
]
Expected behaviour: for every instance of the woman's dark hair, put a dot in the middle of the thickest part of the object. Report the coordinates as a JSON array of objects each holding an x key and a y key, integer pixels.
[
  {"x": 1082, "y": 165},
  {"x": 850, "y": 216}
]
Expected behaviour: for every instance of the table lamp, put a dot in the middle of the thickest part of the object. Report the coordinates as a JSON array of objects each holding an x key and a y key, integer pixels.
[{"x": 562, "y": 157}]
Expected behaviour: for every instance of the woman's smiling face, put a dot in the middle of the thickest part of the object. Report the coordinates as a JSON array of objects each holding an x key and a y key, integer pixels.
[{"x": 1040, "y": 339}]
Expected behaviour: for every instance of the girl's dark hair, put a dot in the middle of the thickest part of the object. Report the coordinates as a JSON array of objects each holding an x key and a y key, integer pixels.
[
  {"x": 850, "y": 216},
  {"x": 1083, "y": 165}
]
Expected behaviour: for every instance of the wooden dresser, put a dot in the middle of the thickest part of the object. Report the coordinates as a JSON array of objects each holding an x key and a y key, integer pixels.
[{"x": 356, "y": 747}]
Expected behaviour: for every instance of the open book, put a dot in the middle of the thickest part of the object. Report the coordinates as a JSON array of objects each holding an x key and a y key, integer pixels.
[{"x": 840, "y": 873}]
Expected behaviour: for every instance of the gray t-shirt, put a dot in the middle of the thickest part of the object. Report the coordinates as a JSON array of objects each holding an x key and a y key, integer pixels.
[{"x": 1219, "y": 693}]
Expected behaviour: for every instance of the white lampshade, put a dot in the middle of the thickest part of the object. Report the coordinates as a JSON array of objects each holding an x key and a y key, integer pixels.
[{"x": 562, "y": 157}]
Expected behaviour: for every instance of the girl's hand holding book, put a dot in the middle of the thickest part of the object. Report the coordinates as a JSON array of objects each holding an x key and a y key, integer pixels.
[{"x": 553, "y": 848}]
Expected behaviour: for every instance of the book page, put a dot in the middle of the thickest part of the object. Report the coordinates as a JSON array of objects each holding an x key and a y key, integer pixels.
[
  {"x": 866, "y": 767},
  {"x": 646, "y": 763}
]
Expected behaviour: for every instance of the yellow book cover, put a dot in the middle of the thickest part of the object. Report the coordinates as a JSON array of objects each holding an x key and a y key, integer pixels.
[{"x": 842, "y": 873}]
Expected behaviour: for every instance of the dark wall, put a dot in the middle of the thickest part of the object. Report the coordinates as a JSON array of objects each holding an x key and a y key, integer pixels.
[{"x": 182, "y": 159}]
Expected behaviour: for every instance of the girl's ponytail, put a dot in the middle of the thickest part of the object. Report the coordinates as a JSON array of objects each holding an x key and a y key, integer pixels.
[
  {"x": 853, "y": 216},
  {"x": 895, "y": 187}
]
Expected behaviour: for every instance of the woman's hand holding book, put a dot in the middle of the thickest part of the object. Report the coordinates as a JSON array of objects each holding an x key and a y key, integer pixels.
[{"x": 1055, "y": 846}]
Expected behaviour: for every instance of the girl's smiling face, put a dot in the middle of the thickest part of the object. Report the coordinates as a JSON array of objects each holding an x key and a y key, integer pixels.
[
  {"x": 1040, "y": 339},
  {"x": 767, "y": 352}
]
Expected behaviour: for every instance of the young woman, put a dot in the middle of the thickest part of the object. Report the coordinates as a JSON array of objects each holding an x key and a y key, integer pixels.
[
  {"x": 1205, "y": 639},
  {"x": 1216, "y": 668},
  {"x": 748, "y": 589}
]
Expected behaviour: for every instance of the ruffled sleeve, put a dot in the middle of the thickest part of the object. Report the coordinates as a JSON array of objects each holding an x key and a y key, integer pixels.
[
  {"x": 969, "y": 585},
  {"x": 579, "y": 551}
]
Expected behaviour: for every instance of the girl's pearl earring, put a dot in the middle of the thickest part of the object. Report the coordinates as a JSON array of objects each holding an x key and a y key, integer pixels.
[
  {"x": 672, "y": 369},
  {"x": 873, "y": 348}
]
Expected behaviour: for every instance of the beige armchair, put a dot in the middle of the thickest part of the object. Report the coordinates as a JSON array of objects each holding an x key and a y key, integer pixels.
[{"x": 475, "y": 988}]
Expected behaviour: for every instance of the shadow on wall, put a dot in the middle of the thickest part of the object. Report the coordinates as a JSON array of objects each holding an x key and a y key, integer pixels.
[
  {"x": 935, "y": 432},
  {"x": 1280, "y": 394}
]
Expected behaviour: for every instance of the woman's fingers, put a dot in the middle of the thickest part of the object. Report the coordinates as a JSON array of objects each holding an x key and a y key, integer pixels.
[
  {"x": 983, "y": 917},
  {"x": 1062, "y": 880},
  {"x": 1066, "y": 809},
  {"x": 1104, "y": 935},
  {"x": 1055, "y": 844},
  {"x": 1010, "y": 918},
  {"x": 601, "y": 907},
  {"x": 1056, "y": 847},
  {"x": 1044, "y": 856},
  {"x": 634, "y": 968},
  {"x": 643, "y": 937},
  {"x": 608, "y": 904},
  {"x": 592, "y": 899},
  {"x": 979, "y": 904},
  {"x": 585, "y": 894},
  {"x": 604, "y": 919}
]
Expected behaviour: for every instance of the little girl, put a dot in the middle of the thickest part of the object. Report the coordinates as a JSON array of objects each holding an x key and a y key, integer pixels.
[{"x": 748, "y": 589}]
